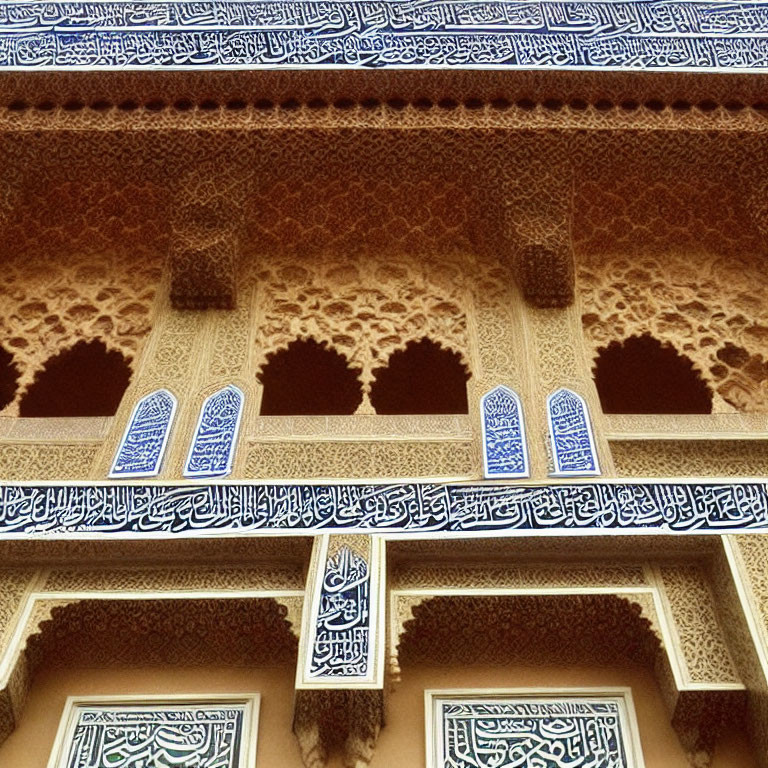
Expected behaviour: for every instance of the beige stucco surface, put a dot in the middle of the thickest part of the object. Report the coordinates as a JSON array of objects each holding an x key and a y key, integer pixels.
[
  {"x": 401, "y": 742},
  {"x": 30, "y": 745}
]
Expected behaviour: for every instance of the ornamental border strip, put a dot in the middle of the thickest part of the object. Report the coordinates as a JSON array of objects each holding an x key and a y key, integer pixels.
[
  {"x": 154, "y": 510},
  {"x": 638, "y": 35}
]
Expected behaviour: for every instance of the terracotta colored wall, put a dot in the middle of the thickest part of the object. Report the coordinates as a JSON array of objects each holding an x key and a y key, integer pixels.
[{"x": 401, "y": 743}]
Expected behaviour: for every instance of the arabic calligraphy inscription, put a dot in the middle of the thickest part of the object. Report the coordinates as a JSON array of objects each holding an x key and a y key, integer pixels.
[
  {"x": 504, "y": 449},
  {"x": 342, "y": 633},
  {"x": 530, "y": 731},
  {"x": 695, "y": 34},
  {"x": 213, "y": 446},
  {"x": 141, "y": 450},
  {"x": 138, "y": 736},
  {"x": 570, "y": 433}
]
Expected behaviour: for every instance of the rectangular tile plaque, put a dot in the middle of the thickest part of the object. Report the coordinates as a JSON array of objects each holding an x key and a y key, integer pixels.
[
  {"x": 139, "y": 731},
  {"x": 546, "y": 729}
]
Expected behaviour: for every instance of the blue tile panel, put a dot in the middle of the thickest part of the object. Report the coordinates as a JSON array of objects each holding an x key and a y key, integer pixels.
[
  {"x": 140, "y": 452},
  {"x": 213, "y": 446},
  {"x": 504, "y": 450},
  {"x": 570, "y": 434},
  {"x": 630, "y": 35}
]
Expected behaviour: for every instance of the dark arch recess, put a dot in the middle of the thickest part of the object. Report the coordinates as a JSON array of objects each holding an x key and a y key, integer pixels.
[
  {"x": 9, "y": 378},
  {"x": 641, "y": 375},
  {"x": 84, "y": 380},
  {"x": 309, "y": 379},
  {"x": 422, "y": 378}
]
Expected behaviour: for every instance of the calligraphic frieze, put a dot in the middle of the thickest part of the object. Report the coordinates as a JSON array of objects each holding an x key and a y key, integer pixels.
[
  {"x": 554, "y": 731},
  {"x": 570, "y": 433},
  {"x": 152, "y": 509},
  {"x": 625, "y": 34},
  {"x": 213, "y": 446},
  {"x": 505, "y": 453},
  {"x": 141, "y": 449},
  {"x": 122, "y": 732}
]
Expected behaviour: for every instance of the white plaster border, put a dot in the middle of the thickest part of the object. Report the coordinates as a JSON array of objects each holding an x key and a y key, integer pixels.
[
  {"x": 620, "y": 695},
  {"x": 249, "y": 702}
]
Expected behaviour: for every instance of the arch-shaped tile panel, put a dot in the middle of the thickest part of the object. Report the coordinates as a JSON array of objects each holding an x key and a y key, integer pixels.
[
  {"x": 505, "y": 452},
  {"x": 570, "y": 433},
  {"x": 143, "y": 444},
  {"x": 213, "y": 446}
]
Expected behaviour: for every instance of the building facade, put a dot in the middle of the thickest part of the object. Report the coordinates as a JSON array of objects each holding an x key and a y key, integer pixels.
[{"x": 383, "y": 385}]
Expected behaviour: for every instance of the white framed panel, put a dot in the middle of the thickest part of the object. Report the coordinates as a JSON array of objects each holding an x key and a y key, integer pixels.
[
  {"x": 542, "y": 727},
  {"x": 204, "y": 731},
  {"x": 342, "y": 637}
]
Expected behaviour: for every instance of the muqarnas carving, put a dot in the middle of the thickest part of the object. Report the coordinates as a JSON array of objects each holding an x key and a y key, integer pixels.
[
  {"x": 213, "y": 446},
  {"x": 341, "y": 640},
  {"x": 570, "y": 433},
  {"x": 484, "y": 731},
  {"x": 141, "y": 450},
  {"x": 200, "y": 734},
  {"x": 505, "y": 453}
]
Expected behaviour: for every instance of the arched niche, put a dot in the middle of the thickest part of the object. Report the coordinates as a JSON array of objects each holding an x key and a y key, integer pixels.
[
  {"x": 423, "y": 378},
  {"x": 86, "y": 379},
  {"x": 308, "y": 378}
]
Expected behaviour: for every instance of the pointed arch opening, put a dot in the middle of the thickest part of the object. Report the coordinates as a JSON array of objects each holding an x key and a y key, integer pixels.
[
  {"x": 85, "y": 380},
  {"x": 308, "y": 378},
  {"x": 423, "y": 378},
  {"x": 642, "y": 375},
  {"x": 9, "y": 378}
]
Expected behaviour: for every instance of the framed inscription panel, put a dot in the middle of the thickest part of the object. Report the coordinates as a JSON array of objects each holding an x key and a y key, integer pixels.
[
  {"x": 217, "y": 731},
  {"x": 545, "y": 728}
]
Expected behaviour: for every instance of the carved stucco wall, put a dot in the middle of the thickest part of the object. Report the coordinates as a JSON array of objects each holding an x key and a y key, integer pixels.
[
  {"x": 413, "y": 235},
  {"x": 81, "y": 260},
  {"x": 674, "y": 248}
]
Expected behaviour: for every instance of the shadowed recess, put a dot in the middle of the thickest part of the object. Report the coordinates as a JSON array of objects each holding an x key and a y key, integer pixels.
[
  {"x": 9, "y": 378},
  {"x": 84, "y": 380},
  {"x": 309, "y": 379},
  {"x": 422, "y": 378},
  {"x": 641, "y": 375}
]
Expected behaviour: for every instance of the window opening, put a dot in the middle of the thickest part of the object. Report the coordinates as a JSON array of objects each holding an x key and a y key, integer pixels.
[
  {"x": 642, "y": 375},
  {"x": 422, "y": 378},
  {"x": 308, "y": 378},
  {"x": 85, "y": 380}
]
